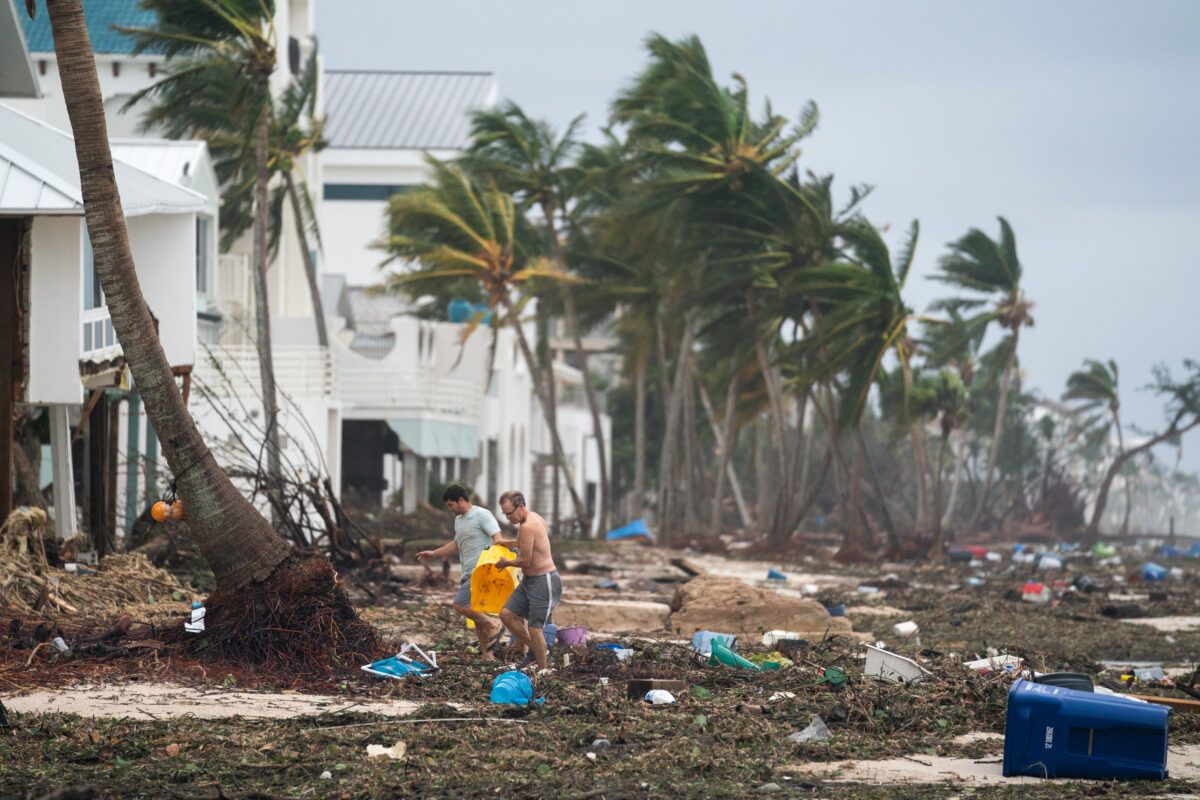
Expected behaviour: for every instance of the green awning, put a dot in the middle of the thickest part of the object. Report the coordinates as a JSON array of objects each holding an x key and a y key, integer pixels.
[{"x": 437, "y": 439}]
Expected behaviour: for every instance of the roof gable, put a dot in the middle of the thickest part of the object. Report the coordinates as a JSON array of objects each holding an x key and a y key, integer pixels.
[
  {"x": 101, "y": 16},
  {"x": 404, "y": 110}
]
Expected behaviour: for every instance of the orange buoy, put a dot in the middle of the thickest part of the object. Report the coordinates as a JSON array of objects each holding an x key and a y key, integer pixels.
[
  {"x": 160, "y": 511},
  {"x": 177, "y": 509}
]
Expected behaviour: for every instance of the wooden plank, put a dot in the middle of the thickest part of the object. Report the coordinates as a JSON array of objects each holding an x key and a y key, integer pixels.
[{"x": 1175, "y": 704}]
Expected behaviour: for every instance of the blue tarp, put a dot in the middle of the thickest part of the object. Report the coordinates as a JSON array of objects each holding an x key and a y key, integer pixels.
[{"x": 635, "y": 528}]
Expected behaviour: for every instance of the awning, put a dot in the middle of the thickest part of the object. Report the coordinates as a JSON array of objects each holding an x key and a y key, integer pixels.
[{"x": 437, "y": 439}]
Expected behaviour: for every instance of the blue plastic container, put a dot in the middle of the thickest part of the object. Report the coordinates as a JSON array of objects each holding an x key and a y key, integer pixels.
[
  {"x": 1153, "y": 572},
  {"x": 513, "y": 689},
  {"x": 1053, "y": 732}
]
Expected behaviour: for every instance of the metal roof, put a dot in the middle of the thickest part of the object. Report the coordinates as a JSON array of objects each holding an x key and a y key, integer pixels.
[
  {"x": 404, "y": 110},
  {"x": 16, "y": 69},
  {"x": 101, "y": 16},
  {"x": 182, "y": 162},
  {"x": 39, "y": 175}
]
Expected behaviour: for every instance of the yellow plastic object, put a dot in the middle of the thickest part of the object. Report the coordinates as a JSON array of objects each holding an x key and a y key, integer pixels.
[{"x": 491, "y": 587}]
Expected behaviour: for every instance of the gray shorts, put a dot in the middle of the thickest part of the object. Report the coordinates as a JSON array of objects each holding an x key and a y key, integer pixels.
[
  {"x": 463, "y": 596},
  {"x": 535, "y": 598}
]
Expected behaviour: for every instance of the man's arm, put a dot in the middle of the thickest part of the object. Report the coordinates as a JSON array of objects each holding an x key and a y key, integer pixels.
[
  {"x": 449, "y": 548},
  {"x": 525, "y": 545},
  {"x": 498, "y": 538}
]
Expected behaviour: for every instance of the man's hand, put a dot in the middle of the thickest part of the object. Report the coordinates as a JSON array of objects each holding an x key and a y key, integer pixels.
[
  {"x": 425, "y": 555},
  {"x": 502, "y": 563}
]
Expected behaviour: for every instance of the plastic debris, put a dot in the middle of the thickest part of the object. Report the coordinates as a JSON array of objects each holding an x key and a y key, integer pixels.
[
  {"x": 1050, "y": 562},
  {"x": 702, "y": 641},
  {"x": 809, "y": 588},
  {"x": 784, "y": 639},
  {"x": 995, "y": 663},
  {"x": 513, "y": 689},
  {"x": 1149, "y": 674},
  {"x": 1035, "y": 592},
  {"x": 606, "y": 583},
  {"x": 1153, "y": 572},
  {"x": 601, "y": 744},
  {"x": 868, "y": 590},
  {"x": 974, "y": 581},
  {"x": 659, "y": 697},
  {"x": 817, "y": 731},
  {"x": 775, "y": 575},
  {"x": 195, "y": 623},
  {"x": 326, "y": 775},
  {"x": 993, "y": 556},
  {"x": 396, "y": 752},
  {"x": 891, "y": 667},
  {"x": 1102, "y": 550},
  {"x": 837, "y": 611},
  {"x": 723, "y": 655},
  {"x": 590, "y": 756},
  {"x": 58, "y": 642},
  {"x": 402, "y": 665},
  {"x": 771, "y": 661},
  {"x": 768, "y": 787},
  {"x": 905, "y": 628},
  {"x": 775, "y": 698}
]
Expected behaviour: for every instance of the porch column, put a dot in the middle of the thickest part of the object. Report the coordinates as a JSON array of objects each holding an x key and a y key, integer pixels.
[{"x": 64, "y": 481}]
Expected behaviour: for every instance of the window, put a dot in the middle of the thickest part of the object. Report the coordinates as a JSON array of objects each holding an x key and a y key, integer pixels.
[
  {"x": 364, "y": 191},
  {"x": 203, "y": 258},
  {"x": 93, "y": 297}
]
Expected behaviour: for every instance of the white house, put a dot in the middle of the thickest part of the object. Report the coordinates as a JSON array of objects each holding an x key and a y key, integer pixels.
[{"x": 69, "y": 347}]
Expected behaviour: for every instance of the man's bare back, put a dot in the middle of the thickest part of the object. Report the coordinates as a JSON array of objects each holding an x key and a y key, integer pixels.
[{"x": 534, "y": 537}]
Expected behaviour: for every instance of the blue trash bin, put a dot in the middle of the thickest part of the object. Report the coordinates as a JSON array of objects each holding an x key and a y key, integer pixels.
[{"x": 1053, "y": 732}]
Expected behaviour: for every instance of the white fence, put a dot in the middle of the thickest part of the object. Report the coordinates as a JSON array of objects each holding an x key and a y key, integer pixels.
[
  {"x": 408, "y": 390},
  {"x": 303, "y": 372}
]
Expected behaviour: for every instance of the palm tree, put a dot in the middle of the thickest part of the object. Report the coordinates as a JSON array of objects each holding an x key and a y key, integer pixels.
[
  {"x": 945, "y": 399},
  {"x": 990, "y": 270},
  {"x": 455, "y": 228},
  {"x": 222, "y": 40},
  {"x": 1095, "y": 387},
  {"x": 526, "y": 158},
  {"x": 238, "y": 543}
]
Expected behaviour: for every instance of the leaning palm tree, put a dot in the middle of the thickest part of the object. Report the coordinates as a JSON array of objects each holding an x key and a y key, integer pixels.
[
  {"x": 528, "y": 159},
  {"x": 238, "y": 543},
  {"x": 455, "y": 228},
  {"x": 943, "y": 398},
  {"x": 1095, "y": 387},
  {"x": 215, "y": 42},
  {"x": 989, "y": 270}
]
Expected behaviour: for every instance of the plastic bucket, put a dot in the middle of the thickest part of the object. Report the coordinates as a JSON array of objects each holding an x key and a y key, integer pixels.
[
  {"x": 573, "y": 637},
  {"x": 491, "y": 587}
]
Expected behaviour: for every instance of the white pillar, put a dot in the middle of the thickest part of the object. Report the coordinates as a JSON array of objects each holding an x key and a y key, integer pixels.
[{"x": 64, "y": 480}]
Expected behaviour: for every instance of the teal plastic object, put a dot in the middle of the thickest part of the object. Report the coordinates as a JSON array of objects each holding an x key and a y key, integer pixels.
[
  {"x": 514, "y": 689},
  {"x": 723, "y": 655}
]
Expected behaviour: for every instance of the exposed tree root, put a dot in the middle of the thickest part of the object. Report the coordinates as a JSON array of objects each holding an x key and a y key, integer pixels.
[{"x": 297, "y": 622}]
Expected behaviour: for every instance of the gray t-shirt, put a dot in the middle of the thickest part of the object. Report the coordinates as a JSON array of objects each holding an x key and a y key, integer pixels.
[{"x": 473, "y": 534}]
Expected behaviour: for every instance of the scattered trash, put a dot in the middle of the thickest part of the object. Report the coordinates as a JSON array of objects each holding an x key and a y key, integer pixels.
[
  {"x": 58, "y": 642},
  {"x": 1150, "y": 674},
  {"x": 1176, "y": 572},
  {"x": 960, "y": 555},
  {"x": 775, "y": 698},
  {"x": 396, "y": 752},
  {"x": 601, "y": 744},
  {"x": 995, "y": 663},
  {"x": 888, "y": 666},
  {"x": 513, "y": 688},
  {"x": 771, "y": 661},
  {"x": 606, "y": 583},
  {"x": 868, "y": 589},
  {"x": 1050, "y": 562},
  {"x": 1035, "y": 592},
  {"x": 816, "y": 731},
  {"x": 1102, "y": 550},
  {"x": 993, "y": 556},
  {"x": 1068, "y": 680},
  {"x": 1085, "y": 584},
  {"x": 723, "y": 655},
  {"x": 809, "y": 588},
  {"x": 637, "y": 688},
  {"x": 622, "y": 653},
  {"x": 702, "y": 641},
  {"x": 635, "y": 528},
  {"x": 788, "y": 639},
  {"x": 326, "y": 775},
  {"x": 836, "y": 611},
  {"x": 659, "y": 697},
  {"x": 402, "y": 665},
  {"x": 195, "y": 624},
  {"x": 973, "y": 581},
  {"x": 1169, "y": 551},
  {"x": 769, "y": 787},
  {"x": 573, "y": 637},
  {"x": 590, "y": 756},
  {"x": 775, "y": 575},
  {"x": 1153, "y": 572},
  {"x": 905, "y": 628},
  {"x": 1169, "y": 639},
  {"x": 1052, "y": 732}
]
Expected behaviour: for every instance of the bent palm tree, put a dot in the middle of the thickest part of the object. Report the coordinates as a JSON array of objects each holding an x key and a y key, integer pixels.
[
  {"x": 456, "y": 229},
  {"x": 239, "y": 545},
  {"x": 1096, "y": 388},
  {"x": 983, "y": 266}
]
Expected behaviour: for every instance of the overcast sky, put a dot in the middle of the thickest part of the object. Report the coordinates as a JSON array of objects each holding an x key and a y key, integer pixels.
[{"x": 1077, "y": 121}]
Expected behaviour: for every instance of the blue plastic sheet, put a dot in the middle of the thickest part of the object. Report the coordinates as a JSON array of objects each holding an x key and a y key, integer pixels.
[
  {"x": 775, "y": 575},
  {"x": 514, "y": 689},
  {"x": 635, "y": 528},
  {"x": 395, "y": 667}
]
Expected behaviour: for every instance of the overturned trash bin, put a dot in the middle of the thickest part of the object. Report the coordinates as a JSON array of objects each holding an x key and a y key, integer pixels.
[{"x": 1054, "y": 732}]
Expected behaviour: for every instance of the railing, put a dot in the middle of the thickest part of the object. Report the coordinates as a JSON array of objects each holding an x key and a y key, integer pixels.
[
  {"x": 302, "y": 372},
  {"x": 99, "y": 339},
  {"x": 408, "y": 390}
]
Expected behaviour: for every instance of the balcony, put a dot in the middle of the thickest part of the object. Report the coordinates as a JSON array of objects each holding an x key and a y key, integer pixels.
[
  {"x": 301, "y": 372},
  {"x": 99, "y": 339}
]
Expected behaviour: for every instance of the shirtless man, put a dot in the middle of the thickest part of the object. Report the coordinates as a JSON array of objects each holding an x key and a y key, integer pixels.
[{"x": 534, "y": 599}]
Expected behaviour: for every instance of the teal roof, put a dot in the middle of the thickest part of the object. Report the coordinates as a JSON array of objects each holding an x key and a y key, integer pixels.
[{"x": 101, "y": 16}]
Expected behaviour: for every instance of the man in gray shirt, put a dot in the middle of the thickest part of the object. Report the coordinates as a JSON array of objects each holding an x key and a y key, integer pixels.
[{"x": 475, "y": 530}]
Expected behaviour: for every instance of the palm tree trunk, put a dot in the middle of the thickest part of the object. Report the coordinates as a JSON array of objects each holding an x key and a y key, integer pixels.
[
  {"x": 997, "y": 431},
  {"x": 310, "y": 269},
  {"x": 666, "y": 479},
  {"x": 239, "y": 545},
  {"x": 936, "y": 553},
  {"x": 918, "y": 445},
  {"x": 266, "y": 363},
  {"x": 639, "y": 439},
  {"x": 1128, "y": 483},
  {"x": 549, "y": 384},
  {"x": 724, "y": 439},
  {"x": 762, "y": 478},
  {"x": 889, "y": 527},
  {"x": 690, "y": 446},
  {"x": 674, "y": 411},
  {"x": 960, "y": 457},
  {"x": 541, "y": 390}
]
